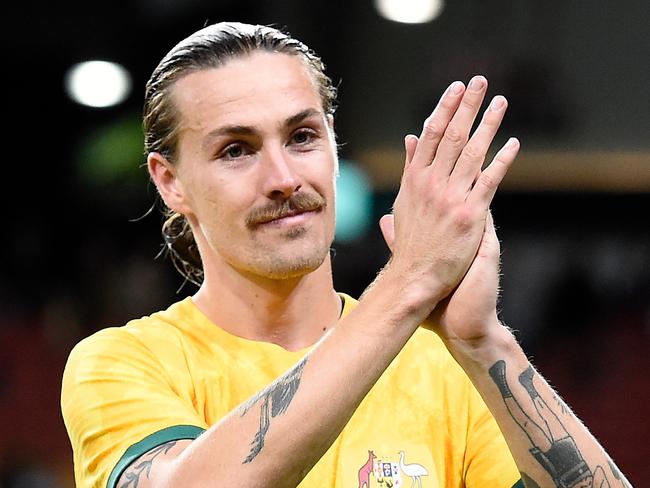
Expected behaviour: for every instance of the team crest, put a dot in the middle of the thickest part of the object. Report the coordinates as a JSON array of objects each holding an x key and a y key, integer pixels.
[{"x": 388, "y": 472}]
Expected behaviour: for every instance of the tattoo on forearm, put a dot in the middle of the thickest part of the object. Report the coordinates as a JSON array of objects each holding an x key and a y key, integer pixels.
[
  {"x": 528, "y": 481},
  {"x": 563, "y": 406},
  {"x": 275, "y": 401},
  {"x": 617, "y": 474},
  {"x": 553, "y": 447},
  {"x": 132, "y": 475}
]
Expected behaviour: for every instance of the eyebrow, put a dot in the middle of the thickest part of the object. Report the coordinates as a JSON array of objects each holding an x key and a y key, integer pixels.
[{"x": 247, "y": 130}]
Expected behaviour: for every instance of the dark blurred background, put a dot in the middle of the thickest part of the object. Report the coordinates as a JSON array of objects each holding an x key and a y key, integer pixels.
[{"x": 79, "y": 246}]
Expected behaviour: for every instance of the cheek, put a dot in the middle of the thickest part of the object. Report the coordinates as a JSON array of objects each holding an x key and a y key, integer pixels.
[{"x": 220, "y": 205}]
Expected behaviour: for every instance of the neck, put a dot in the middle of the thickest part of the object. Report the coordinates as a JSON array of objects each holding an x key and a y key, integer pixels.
[{"x": 292, "y": 313}]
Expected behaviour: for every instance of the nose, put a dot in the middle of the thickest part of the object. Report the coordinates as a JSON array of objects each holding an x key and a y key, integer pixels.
[{"x": 279, "y": 178}]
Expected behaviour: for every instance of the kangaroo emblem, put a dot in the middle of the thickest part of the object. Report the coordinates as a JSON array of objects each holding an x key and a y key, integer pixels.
[{"x": 366, "y": 470}]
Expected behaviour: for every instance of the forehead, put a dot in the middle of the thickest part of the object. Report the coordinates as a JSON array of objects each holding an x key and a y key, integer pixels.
[{"x": 252, "y": 90}]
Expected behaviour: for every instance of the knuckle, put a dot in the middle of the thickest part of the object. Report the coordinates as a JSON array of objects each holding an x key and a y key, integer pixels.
[
  {"x": 470, "y": 103},
  {"x": 454, "y": 136},
  {"x": 464, "y": 219},
  {"x": 448, "y": 104},
  {"x": 473, "y": 152},
  {"x": 487, "y": 181},
  {"x": 491, "y": 120},
  {"x": 432, "y": 129}
]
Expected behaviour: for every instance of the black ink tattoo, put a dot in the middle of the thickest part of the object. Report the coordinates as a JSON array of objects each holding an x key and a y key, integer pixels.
[
  {"x": 275, "y": 401},
  {"x": 600, "y": 480},
  {"x": 617, "y": 474},
  {"x": 528, "y": 481},
  {"x": 563, "y": 406},
  {"x": 553, "y": 447},
  {"x": 132, "y": 475}
]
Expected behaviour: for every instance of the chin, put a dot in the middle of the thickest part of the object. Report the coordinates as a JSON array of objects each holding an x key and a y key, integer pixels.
[
  {"x": 290, "y": 265},
  {"x": 293, "y": 269}
]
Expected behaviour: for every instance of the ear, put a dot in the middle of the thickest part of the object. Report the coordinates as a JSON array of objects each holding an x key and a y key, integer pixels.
[{"x": 165, "y": 176}]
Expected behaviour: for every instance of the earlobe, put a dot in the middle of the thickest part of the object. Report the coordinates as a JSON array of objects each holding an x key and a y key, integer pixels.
[{"x": 165, "y": 176}]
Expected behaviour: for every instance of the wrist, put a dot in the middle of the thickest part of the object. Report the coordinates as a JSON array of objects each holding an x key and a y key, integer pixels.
[
  {"x": 408, "y": 299},
  {"x": 497, "y": 342}
]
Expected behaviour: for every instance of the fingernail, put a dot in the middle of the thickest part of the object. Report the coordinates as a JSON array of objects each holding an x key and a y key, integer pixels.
[
  {"x": 497, "y": 103},
  {"x": 512, "y": 143},
  {"x": 455, "y": 88},
  {"x": 477, "y": 83}
]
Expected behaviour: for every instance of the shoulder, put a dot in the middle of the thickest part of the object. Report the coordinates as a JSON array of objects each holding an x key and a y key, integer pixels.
[
  {"x": 159, "y": 325},
  {"x": 144, "y": 340}
]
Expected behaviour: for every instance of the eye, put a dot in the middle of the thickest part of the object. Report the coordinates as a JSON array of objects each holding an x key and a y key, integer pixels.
[
  {"x": 235, "y": 150},
  {"x": 303, "y": 137}
]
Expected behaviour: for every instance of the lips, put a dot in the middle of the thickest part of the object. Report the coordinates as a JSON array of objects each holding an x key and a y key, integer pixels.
[
  {"x": 287, "y": 215},
  {"x": 287, "y": 210}
]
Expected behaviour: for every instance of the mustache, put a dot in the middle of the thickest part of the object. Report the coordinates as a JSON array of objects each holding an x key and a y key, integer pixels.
[{"x": 297, "y": 203}]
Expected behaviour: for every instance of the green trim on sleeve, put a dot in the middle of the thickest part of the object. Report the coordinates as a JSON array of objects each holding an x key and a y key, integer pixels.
[
  {"x": 519, "y": 484},
  {"x": 156, "y": 439}
]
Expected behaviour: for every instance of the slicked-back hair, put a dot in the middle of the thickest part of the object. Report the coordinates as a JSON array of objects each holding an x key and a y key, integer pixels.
[{"x": 210, "y": 47}]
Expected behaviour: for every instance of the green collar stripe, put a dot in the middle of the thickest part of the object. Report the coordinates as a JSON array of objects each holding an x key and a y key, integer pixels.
[
  {"x": 519, "y": 484},
  {"x": 156, "y": 439}
]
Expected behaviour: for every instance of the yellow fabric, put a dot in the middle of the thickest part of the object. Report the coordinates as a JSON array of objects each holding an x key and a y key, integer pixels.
[{"x": 176, "y": 368}]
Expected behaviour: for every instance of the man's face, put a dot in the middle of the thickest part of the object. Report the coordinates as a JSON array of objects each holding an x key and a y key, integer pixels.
[{"x": 256, "y": 162}]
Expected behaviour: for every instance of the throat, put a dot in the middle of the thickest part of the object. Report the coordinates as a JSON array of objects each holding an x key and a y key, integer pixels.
[{"x": 293, "y": 318}]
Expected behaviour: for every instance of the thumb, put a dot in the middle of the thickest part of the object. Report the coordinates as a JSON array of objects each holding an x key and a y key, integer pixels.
[
  {"x": 489, "y": 246},
  {"x": 387, "y": 226},
  {"x": 410, "y": 144}
]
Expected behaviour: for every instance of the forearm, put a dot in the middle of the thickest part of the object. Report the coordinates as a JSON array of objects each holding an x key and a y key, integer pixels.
[
  {"x": 278, "y": 435},
  {"x": 549, "y": 443}
]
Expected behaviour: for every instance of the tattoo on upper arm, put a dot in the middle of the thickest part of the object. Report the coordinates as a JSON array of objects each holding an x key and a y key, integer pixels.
[
  {"x": 553, "y": 447},
  {"x": 275, "y": 401},
  {"x": 131, "y": 476}
]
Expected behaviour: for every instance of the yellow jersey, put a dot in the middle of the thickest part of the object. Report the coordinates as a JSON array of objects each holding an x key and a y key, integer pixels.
[{"x": 173, "y": 374}]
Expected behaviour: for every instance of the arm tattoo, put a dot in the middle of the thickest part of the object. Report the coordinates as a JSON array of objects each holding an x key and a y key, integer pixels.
[
  {"x": 528, "y": 481},
  {"x": 617, "y": 474},
  {"x": 132, "y": 475},
  {"x": 275, "y": 401},
  {"x": 563, "y": 406},
  {"x": 553, "y": 447}
]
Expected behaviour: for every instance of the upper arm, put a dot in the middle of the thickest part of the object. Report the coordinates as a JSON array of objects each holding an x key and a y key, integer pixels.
[
  {"x": 118, "y": 403},
  {"x": 152, "y": 469}
]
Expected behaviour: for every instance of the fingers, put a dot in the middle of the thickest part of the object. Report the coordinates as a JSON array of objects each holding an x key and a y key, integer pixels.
[
  {"x": 471, "y": 159},
  {"x": 436, "y": 124},
  {"x": 488, "y": 181},
  {"x": 387, "y": 226},
  {"x": 410, "y": 144},
  {"x": 490, "y": 232},
  {"x": 489, "y": 247},
  {"x": 458, "y": 129}
]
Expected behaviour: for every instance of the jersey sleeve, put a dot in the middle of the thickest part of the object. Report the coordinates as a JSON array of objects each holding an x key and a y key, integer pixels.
[
  {"x": 118, "y": 402},
  {"x": 488, "y": 461}
]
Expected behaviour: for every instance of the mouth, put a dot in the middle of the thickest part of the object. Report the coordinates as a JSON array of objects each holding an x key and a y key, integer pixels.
[
  {"x": 290, "y": 218},
  {"x": 294, "y": 211}
]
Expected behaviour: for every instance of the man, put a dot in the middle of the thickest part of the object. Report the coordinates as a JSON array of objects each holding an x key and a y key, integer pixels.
[{"x": 267, "y": 376}]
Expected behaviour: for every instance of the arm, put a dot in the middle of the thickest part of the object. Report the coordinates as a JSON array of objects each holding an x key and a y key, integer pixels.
[
  {"x": 550, "y": 445},
  {"x": 278, "y": 435}
]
